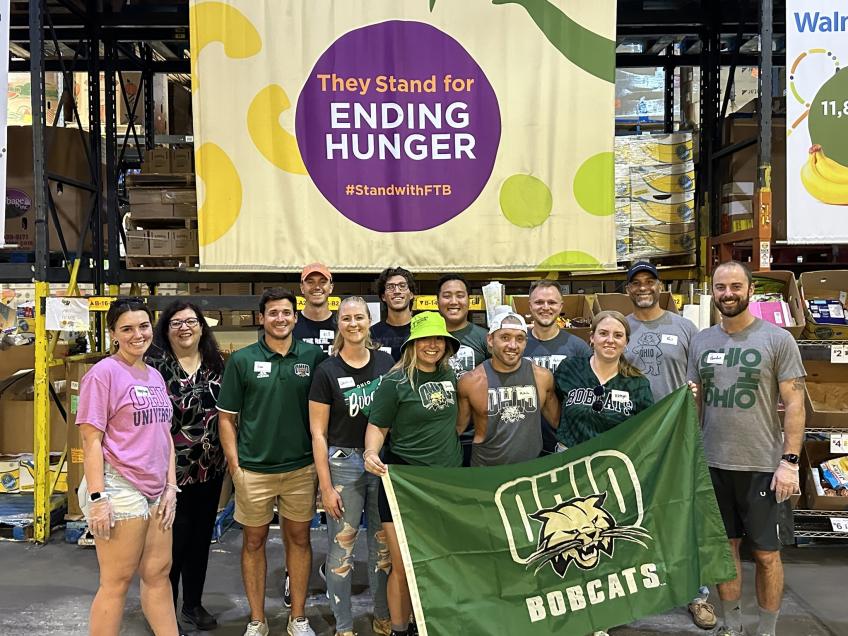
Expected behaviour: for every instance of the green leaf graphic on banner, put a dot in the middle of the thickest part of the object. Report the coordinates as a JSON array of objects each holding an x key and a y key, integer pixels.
[
  {"x": 826, "y": 126},
  {"x": 593, "y": 184},
  {"x": 570, "y": 259},
  {"x": 593, "y": 53},
  {"x": 525, "y": 200}
]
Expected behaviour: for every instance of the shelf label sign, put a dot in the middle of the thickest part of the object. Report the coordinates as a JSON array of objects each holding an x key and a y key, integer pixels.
[
  {"x": 839, "y": 524},
  {"x": 817, "y": 121},
  {"x": 838, "y": 354},
  {"x": 839, "y": 443}
]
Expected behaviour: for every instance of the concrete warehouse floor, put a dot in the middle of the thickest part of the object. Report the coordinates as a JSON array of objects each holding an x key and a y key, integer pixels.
[{"x": 48, "y": 590}]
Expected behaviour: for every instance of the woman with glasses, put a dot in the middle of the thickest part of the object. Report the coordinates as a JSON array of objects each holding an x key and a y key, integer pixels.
[
  {"x": 603, "y": 390},
  {"x": 186, "y": 354},
  {"x": 129, "y": 491},
  {"x": 339, "y": 406}
]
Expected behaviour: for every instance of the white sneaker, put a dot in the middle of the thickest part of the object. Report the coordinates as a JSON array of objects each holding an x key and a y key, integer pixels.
[
  {"x": 727, "y": 631},
  {"x": 602, "y": 632},
  {"x": 256, "y": 628},
  {"x": 299, "y": 625}
]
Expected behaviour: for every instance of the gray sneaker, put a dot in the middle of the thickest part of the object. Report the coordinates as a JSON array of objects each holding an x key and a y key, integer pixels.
[
  {"x": 299, "y": 627},
  {"x": 727, "y": 631},
  {"x": 256, "y": 628}
]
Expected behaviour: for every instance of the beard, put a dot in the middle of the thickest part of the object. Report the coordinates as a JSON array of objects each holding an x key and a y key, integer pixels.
[{"x": 741, "y": 305}]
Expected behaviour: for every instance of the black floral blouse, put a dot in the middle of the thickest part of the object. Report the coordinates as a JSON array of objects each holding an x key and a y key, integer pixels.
[{"x": 199, "y": 455}]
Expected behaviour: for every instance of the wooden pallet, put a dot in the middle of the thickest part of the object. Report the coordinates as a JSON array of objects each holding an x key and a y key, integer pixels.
[
  {"x": 163, "y": 223},
  {"x": 162, "y": 262},
  {"x": 183, "y": 179}
]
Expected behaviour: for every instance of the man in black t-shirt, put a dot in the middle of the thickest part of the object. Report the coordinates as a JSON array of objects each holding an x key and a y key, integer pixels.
[
  {"x": 396, "y": 289},
  {"x": 316, "y": 324}
]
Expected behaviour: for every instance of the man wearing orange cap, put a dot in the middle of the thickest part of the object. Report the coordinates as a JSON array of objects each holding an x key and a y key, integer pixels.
[{"x": 316, "y": 324}]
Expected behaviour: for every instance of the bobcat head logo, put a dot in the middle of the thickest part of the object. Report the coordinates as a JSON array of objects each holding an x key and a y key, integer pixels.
[
  {"x": 649, "y": 339},
  {"x": 578, "y": 531},
  {"x": 436, "y": 396}
]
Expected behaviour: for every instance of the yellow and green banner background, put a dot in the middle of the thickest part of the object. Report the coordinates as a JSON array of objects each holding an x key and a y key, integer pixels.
[{"x": 437, "y": 134}]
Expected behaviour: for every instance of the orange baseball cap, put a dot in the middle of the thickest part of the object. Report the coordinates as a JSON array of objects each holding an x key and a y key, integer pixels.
[{"x": 315, "y": 268}]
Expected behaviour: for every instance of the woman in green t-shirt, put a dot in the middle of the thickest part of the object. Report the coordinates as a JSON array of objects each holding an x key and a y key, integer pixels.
[
  {"x": 417, "y": 402},
  {"x": 603, "y": 390}
]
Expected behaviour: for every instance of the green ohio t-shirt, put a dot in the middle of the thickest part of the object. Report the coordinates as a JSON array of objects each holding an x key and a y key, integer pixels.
[
  {"x": 622, "y": 398},
  {"x": 422, "y": 418},
  {"x": 270, "y": 394}
]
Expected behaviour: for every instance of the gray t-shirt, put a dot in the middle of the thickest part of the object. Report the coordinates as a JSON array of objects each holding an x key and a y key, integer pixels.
[
  {"x": 739, "y": 375},
  {"x": 660, "y": 350},
  {"x": 550, "y": 353}
]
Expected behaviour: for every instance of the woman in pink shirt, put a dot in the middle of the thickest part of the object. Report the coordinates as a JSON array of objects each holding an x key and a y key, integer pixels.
[{"x": 129, "y": 491}]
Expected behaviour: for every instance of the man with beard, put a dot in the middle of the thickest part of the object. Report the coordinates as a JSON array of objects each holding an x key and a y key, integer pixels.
[
  {"x": 659, "y": 348},
  {"x": 396, "y": 289},
  {"x": 452, "y": 296},
  {"x": 742, "y": 366},
  {"x": 547, "y": 344},
  {"x": 506, "y": 396},
  {"x": 316, "y": 324}
]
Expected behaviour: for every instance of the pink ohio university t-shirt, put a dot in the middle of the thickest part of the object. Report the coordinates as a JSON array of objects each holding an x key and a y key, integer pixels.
[{"x": 131, "y": 406}]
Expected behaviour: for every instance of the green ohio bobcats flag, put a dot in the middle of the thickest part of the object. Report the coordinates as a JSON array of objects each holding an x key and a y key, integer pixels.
[{"x": 623, "y": 526}]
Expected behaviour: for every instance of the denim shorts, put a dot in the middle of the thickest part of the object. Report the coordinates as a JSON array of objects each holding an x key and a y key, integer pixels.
[{"x": 127, "y": 501}]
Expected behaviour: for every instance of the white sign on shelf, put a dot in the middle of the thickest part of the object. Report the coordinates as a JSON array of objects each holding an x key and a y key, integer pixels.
[
  {"x": 838, "y": 354},
  {"x": 67, "y": 314},
  {"x": 839, "y": 443},
  {"x": 839, "y": 524}
]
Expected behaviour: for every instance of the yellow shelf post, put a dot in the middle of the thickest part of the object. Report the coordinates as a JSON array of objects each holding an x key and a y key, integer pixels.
[{"x": 41, "y": 441}]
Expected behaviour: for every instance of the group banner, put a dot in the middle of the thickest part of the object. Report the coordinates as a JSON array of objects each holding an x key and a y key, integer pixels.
[
  {"x": 623, "y": 526},
  {"x": 434, "y": 134},
  {"x": 816, "y": 121}
]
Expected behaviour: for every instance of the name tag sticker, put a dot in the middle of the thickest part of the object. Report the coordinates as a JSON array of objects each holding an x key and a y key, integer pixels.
[
  {"x": 326, "y": 334},
  {"x": 717, "y": 357},
  {"x": 620, "y": 396},
  {"x": 141, "y": 391},
  {"x": 669, "y": 339},
  {"x": 262, "y": 367},
  {"x": 346, "y": 383},
  {"x": 447, "y": 386}
]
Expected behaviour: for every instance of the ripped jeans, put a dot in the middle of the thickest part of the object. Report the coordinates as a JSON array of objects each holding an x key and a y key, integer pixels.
[
  {"x": 358, "y": 490},
  {"x": 127, "y": 501}
]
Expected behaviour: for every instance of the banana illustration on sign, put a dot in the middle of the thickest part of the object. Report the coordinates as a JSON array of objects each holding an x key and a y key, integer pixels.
[
  {"x": 671, "y": 183},
  {"x": 824, "y": 178},
  {"x": 670, "y": 153},
  {"x": 666, "y": 212}
]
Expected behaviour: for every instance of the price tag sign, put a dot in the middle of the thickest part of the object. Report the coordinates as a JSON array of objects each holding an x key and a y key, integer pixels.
[
  {"x": 838, "y": 354},
  {"x": 839, "y": 524},
  {"x": 839, "y": 443}
]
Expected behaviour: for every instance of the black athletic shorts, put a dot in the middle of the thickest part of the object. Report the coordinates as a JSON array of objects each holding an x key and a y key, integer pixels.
[
  {"x": 748, "y": 507},
  {"x": 382, "y": 500}
]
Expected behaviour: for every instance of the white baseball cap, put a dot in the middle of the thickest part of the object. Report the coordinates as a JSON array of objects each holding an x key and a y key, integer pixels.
[{"x": 512, "y": 320}]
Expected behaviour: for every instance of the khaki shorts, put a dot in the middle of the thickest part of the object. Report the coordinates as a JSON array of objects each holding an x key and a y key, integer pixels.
[{"x": 256, "y": 494}]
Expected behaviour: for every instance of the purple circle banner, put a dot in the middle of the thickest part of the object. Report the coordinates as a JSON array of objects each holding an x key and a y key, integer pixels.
[{"x": 398, "y": 126}]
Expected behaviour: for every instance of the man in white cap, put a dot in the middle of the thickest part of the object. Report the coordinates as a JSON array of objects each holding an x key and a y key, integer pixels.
[
  {"x": 506, "y": 397},
  {"x": 316, "y": 324}
]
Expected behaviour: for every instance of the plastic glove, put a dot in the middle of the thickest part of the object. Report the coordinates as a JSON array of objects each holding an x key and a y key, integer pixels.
[
  {"x": 168, "y": 506},
  {"x": 785, "y": 481},
  {"x": 100, "y": 518}
]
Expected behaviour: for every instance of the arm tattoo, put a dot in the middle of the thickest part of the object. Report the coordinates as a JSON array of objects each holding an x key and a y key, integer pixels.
[{"x": 798, "y": 384}]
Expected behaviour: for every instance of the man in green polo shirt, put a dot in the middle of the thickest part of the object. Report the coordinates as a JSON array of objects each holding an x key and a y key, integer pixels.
[{"x": 264, "y": 429}]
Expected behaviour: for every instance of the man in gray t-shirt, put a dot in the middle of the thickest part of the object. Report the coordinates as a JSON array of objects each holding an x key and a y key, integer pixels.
[
  {"x": 659, "y": 339},
  {"x": 742, "y": 366}
]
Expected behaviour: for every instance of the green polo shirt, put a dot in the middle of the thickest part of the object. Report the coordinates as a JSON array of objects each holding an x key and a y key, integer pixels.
[{"x": 270, "y": 393}]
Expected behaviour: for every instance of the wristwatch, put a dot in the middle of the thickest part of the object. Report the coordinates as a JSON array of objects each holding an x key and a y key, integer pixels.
[
  {"x": 94, "y": 496},
  {"x": 790, "y": 457}
]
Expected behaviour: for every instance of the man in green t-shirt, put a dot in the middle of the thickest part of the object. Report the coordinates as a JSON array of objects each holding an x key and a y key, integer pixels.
[
  {"x": 452, "y": 296},
  {"x": 264, "y": 429}
]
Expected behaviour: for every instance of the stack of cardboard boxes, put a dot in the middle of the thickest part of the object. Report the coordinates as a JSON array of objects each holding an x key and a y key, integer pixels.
[
  {"x": 655, "y": 196},
  {"x": 163, "y": 209}
]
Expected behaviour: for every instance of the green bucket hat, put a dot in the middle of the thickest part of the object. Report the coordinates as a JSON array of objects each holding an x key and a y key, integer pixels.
[{"x": 428, "y": 324}]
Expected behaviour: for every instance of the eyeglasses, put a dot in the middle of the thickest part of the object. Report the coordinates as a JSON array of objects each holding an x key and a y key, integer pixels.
[
  {"x": 396, "y": 286},
  {"x": 599, "y": 392},
  {"x": 191, "y": 323}
]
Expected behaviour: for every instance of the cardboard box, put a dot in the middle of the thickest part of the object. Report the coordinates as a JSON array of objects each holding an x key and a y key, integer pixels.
[
  {"x": 204, "y": 289},
  {"x": 138, "y": 243},
  {"x": 182, "y": 161},
  {"x": 157, "y": 161},
  {"x": 651, "y": 150},
  {"x": 823, "y": 285},
  {"x": 623, "y": 304},
  {"x": 14, "y": 359},
  {"x": 27, "y": 483},
  {"x": 184, "y": 243},
  {"x": 826, "y": 394},
  {"x": 814, "y": 453},
  {"x": 662, "y": 180},
  {"x": 792, "y": 295},
  {"x": 17, "y": 416},
  {"x": 237, "y": 319},
  {"x": 236, "y": 289},
  {"x": 675, "y": 208},
  {"x": 75, "y": 370},
  {"x": 67, "y": 158},
  {"x": 667, "y": 238},
  {"x": 160, "y": 242}
]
